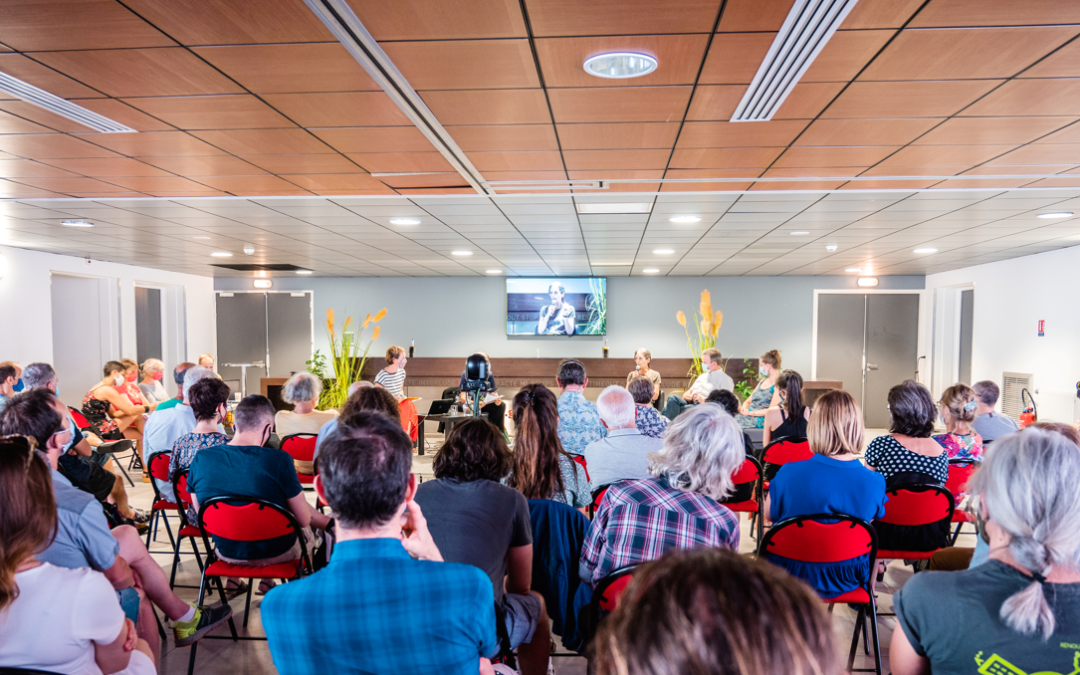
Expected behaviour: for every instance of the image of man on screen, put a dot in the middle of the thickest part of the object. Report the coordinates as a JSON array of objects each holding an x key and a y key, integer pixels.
[{"x": 558, "y": 317}]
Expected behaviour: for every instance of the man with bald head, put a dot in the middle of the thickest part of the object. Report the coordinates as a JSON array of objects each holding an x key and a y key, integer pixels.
[{"x": 624, "y": 453}]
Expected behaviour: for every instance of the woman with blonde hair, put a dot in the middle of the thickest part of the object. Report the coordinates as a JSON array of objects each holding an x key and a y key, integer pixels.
[
  {"x": 831, "y": 481},
  {"x": 153, "y": 391},
  {"x": 958, "y": 407}
]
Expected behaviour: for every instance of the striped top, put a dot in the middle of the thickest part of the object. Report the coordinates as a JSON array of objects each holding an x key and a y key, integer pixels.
[{"x": 392, "y": 381}]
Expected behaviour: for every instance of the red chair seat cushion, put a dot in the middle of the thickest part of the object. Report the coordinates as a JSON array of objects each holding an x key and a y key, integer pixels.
[
  {"x": 959, "y": 516},
  {"x": 858, "y": 596},
  {"x": 165, "y": 505},
  {"x": 885, "y": 554},
  {"x": 749, "y": 506},
  {"x": 305, "y": 479},
  {"x": 286, "y": 570},
  {"x": 189, "y": 531}
]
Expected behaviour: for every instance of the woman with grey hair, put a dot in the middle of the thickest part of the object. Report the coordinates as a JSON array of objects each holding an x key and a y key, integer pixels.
[
  {"x": 640, "y": 520},
  {"x": 150, "y": 386},
  {"x": 302, "y": 390},
  {"x": 1019, "y": 612}
]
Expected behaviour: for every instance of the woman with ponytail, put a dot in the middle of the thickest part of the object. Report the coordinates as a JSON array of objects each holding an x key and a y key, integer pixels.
[
  {"x": 541, "y": 468},
  {"x": 1020, "y": 611},
  {"x": 53, "y": 619},
  {"x": 958, "y": 406},
  {"x": 791, "y": 416}
]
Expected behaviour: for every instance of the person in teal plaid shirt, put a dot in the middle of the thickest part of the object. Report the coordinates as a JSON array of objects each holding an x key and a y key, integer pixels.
[
  {"x": 579, "y": 423},
  {"x": 386, "y": 602}
]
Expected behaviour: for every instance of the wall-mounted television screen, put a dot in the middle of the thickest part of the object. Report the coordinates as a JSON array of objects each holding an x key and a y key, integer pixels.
[{"x": 556, "y": 306}]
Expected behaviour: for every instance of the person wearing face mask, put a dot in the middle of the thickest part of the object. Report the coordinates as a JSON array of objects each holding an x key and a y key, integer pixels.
[
  {"x": 130, "y": 388},
  {"x": 246, "y": 467},
  {"x": 113, "y": 413},
  {"x": 10, "y": 381},
  {"x": 208, "y": 399},
  {"x": 958, "y": 407},
  {"x": 765, "y": 396},
  {"x": 153, "y": 391},
  {"x": 166, "y": 426},
  {"x": 791, "y": 417}
]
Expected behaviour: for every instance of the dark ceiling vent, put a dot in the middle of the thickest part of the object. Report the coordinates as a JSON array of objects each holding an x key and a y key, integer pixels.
[{"x": 269, "y": 267}]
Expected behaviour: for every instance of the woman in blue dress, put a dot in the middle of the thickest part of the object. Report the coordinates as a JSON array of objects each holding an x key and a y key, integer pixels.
[{"x": 765, "y": 396}]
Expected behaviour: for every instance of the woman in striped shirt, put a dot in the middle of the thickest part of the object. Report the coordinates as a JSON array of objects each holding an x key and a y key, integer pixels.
[{"x": 392, "y": 377}]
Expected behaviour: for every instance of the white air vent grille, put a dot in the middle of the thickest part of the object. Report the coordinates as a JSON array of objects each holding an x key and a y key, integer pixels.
[
  {"x": 504, "y": 185},
  {"x": 805, "y": 32},
  {"x": 59, "y": 106},
  {"x": 1012, "y": 385}
]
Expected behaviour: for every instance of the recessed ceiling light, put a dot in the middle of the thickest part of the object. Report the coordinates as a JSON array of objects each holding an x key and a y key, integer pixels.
[
  {"x": 620, "y": 65},
  {"x": 610, "y": 264},
  {"x": 627, "y": 207},
  {"x": 200, "y": 237},
  {"x": 651, "y": 270},
  {"x": 830, "y": 247},
  {"x": 853, "y": 269},
  {"x": 249, "y": 249},
  {"x": 663, "y": 251},
  {"x": 76, "y": 223},
  {"x": 404, "y": 221},
  {"x": 303, "y": 271},
  {"x": 460, "y": 252},
  {"x": 494, "y": 272},
  {"x": 799, "y": 233},
  {"x": 684, "y": 219},
  {"x": 868, "y": 282},
  {"x": 925, "y": 250},
  {"x": 221, "y": 254},
  {"x": 1060, "y": 214},
  {"x": 263, "y": 283}
]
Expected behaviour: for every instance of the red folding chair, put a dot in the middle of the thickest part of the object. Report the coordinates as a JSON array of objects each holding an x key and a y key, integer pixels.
[
  {"x": 580, "y": 459},
  {"x": 243, "y": 518},
  {"x": 960, "y": 472},
  {"x": 745, "y": 478},
  {"x": 784, "y": 450},
  {"x": 605, "y": 597},
  {"x": 597, "y": 497},
  {"x": 833, "y": 538},
  {"x": 114, "y": 448},
  {"x": 301, "y": 447},
  {"x": 159, "y": 511},
  {"x": 916, "y": 522},
  {"x": 183, "y": 501}
]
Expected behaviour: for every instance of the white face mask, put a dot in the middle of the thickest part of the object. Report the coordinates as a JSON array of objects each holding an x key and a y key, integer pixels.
[{"x": 118, "y": 380}]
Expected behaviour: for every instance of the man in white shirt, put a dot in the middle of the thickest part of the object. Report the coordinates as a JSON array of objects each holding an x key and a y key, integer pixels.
[
  {"x": 714, "y": 377},
  {"x": 624, "y": 453},
  {"x": 165, "y": 426}
]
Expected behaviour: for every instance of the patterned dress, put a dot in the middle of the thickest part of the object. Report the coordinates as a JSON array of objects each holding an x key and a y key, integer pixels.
[
  {"x": 650, "y": 422},
  {"x": 579, "y": 423},
  {"x": 97, "y": 411},
  {"x": 759, "y": 400},
  {"x": 890, "y": 457},
  {"x": 969, "y": 446}
]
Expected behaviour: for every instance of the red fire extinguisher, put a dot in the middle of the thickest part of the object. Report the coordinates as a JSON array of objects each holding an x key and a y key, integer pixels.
[{"x": 1030, "y": 415}]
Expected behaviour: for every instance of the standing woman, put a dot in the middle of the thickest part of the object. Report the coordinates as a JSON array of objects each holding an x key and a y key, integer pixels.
[
  {"x": 752, "y": 411},
  {"x": 541, "y": 468},
  {"x": 958, "y": 405},
  {"x": 392, "y": 378},
  {"x": 643, "y": 359},
  {"x": 152, "y": 390},
  {"x": 791, "y": 416}
]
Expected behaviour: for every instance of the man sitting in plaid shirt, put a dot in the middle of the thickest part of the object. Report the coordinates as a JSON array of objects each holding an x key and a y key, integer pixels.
[
  {"x": 386, "y": 602},
  {"x": 641, "y": 520}
]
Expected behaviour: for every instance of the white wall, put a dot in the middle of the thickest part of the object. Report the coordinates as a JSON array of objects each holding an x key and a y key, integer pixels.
[
  {"x": 1010, "y": 298},
  {"x": 26, "y": 304}
]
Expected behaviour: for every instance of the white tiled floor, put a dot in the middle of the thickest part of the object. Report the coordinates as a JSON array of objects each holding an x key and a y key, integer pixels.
[{"x": 224, "y": 657}]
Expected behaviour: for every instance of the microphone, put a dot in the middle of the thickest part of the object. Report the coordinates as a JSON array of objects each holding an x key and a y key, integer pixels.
[{"x": 637, "y": 367}]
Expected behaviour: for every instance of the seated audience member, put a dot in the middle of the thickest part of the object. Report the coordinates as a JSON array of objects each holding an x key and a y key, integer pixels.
[
  {"x": 712, "y": 378},
  {"x": 753, "y": 409},
  {"x": 83, "y": 538},
  {"x": 542, "y": 469},
  {"x": 302, "y": 390},
  {"x": 208, "y": 400},
  {"x": 165, "y": 427},
  {"x": 130, "y": 388},
  {"x": 790, "y": 417},
  {"x": 1022, "y": 608},
  {"x": 624, "y": 453},
  {"x": 206, "y": 361},
  {"x": 727, "y": 400},
  {"x": 648, "y": 419},
  {"x": 578, "y": 421},
  {"x": 246, "y": 467},
  {"x": 988, "y": 423},
  {"x": 715, "y": 611},
  {"x": 153, "y": 392},
  {"x": 354, "y": 406},
  {"x": 52, "y": 618},
  {"x": 475, "y": 520},
  {"x": 958, "y": 405},
  {"x": 832, "y": 481},
  {"x": 10, "y": 374},
  {"x": 178, "y": 378},
  {"x": 360, "y": 613},
  {"x": 495, "y": 409},
  {"x": 643, "y": 359},
  {"x": 114, "y": 413},
  {"x": 641, "y": 520},
  {"x": 908, "y": 453}
]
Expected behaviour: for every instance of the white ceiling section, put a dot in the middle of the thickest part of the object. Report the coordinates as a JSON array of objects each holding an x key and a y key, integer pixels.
[{"x": 740, "y": 233}]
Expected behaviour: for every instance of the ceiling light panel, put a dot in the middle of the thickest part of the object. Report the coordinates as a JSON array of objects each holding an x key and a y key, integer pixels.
[
  {"x": 54, "y": 104},
  {"x": 620, "y": 65},
  {"x": 613, "y": 208}
]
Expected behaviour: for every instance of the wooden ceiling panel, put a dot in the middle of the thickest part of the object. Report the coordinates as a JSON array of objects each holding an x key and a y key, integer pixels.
[
  {"x": 1070, "y": 134},
  {"x": 984, "y": 130},
  {"x": 141, "y": 72},
  {"x": 945, "y": 155},
  {"x": 832, "y": 156},
  {"x": 212, "y": 112},
  {"x": 69, "y": 185},
  {"x": 525, "y": 175},
  {"x": 47, "y": 146},
  {"x": 264, "y": 141},
  {"x": 42, "y": 116},
  {"x": 953, "y": 54},
  {"x": 239, "y": 185},
  {"x": 376, "y": 139},
  {"x": 227, "y": 22},
  {"x": 205, "y": 165},
  {"x": 465, "y": 64},
  {"x": 156, "y": 184},
  {"x": 297, "y": 164},
  {"x": 1065, "y": 62},
  {"x": 845, "y": 54},
  {"x": 9, "y": 189},
  {"x": 155, "y": 144},
  {"x": 613, "y": 160},
  {"x": 43, "y": 25},
  {"x": 505, "y": 137},
  {"x": 503, "y": 106},
  {"x": 880, "y": 14},
  {"x": 908, "y": 99},
  {"x": 715, "y": 102},
  {"x": 628, "y": 135},
  {"x": 807, "y": 100},
  {"x": 734, "y": 58},
  {"x": 340, "y": 181},
  {"x": 562, "y": 59},
  {"x": 123, "y": 113},
  {"x": 621, "y": 17},
  {"x": 915, "y": 170},
  {"x": 866, "y": 132},
  {"x": 441, "y": 20},
  {"x": 724, "y": 158},
  {"x": 403, "y": 162},
  {"x": 589, "y": 174},
  {"x": 735, "y": 135},
  {"x": 440, "y": 180},
  {"x": 22, "y": 168},
  {"x": 438, "y": 191},
  {"x": 1030, "y": 97},
  {"x": 289, "y": 69},
  {"x": 10, "y": 124},
  {"x": 339, "y": 109},
  {"x": 625, "y": 104},
  {"x": 517, "y": 161},
  {"x": 1042, "y": 154},
  {"x": 43, "y": 77},
  {"x": 754, "y": 15},
  {"x": 107, "y": 166},
  {"x": 941, "y": 13}
]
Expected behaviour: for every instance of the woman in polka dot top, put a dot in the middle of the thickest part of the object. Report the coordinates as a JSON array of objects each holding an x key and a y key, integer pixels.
[{"x": 908, "y": 454}]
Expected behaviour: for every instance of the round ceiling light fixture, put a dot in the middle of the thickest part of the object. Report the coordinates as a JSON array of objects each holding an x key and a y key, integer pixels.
[
  {"x": 221, "y": 254},
  {"x": 799, "y": 233},
  {"x": 83, "y": 223},
  {"x": 684, "y": 219},
  {"x": 925, "y": 250},
  {"x": 830, "y": 247},
  {"x": 460, "y": 252},
  {"x": 620, "y": 65},
  {"x": 494, "y": 272},
  {"x": 663, "y": 251},
  {"x": 651, "y": 270},
  {"x": 303, "y": 271},
  {"x": 404, "y": 221},
  {"x": 1060, "y": 214},
  {"x": 853, "y": 270}
]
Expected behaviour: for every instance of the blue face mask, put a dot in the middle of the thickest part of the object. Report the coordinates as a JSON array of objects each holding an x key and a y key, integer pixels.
[
  {"x": 18, "y": 386},
  {"x": 763, "y": 372}
]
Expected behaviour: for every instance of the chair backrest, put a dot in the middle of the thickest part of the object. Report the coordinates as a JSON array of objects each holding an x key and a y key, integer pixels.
[
  {"x": 786, "y": 450},
  {"x": 598, "y": 496},
  {"x": 580, "y": 459},
  {"x": 611, "y": 587},
  {"x": 159, "y": 465},
  {"x": 821, "y": 538},
  {"x": 300, "y": 446},
  {"x": 913, "y": 505},
  {"x": 744, "y": 477},
  {"x": 960, "y": 472},
  {"x": 80, "y": 419},
  {"x": 183, "y": 496},
  {"x": 244, "y": 518}
]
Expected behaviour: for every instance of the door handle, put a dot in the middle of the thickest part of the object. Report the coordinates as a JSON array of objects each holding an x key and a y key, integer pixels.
[{"x": 871, "y": 366}]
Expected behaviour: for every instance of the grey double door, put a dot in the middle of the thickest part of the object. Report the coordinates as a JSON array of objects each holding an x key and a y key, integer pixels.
[
  {"x": 274, "y": 328},
  {"x": 870, "y": 343}
]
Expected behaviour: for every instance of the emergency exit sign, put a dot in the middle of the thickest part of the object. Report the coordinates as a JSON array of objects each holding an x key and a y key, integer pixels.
[{"x": 1042, "y": 328}]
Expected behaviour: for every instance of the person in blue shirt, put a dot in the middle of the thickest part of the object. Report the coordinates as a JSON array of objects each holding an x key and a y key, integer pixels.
[
  {"x": 579, "y": 422},
  {"x": 832, "y": 481},
  {"x": 386, "y": 602}
]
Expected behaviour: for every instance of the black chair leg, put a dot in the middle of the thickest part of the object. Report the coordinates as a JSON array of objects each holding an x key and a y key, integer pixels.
[
  {"x": 221, "y": 590},
  {"x": 247, "y": 604},
  {"x": 855, "y": 638},
  {"x": 865, "y": 638},
  {"x": 874, "y": 631}
]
